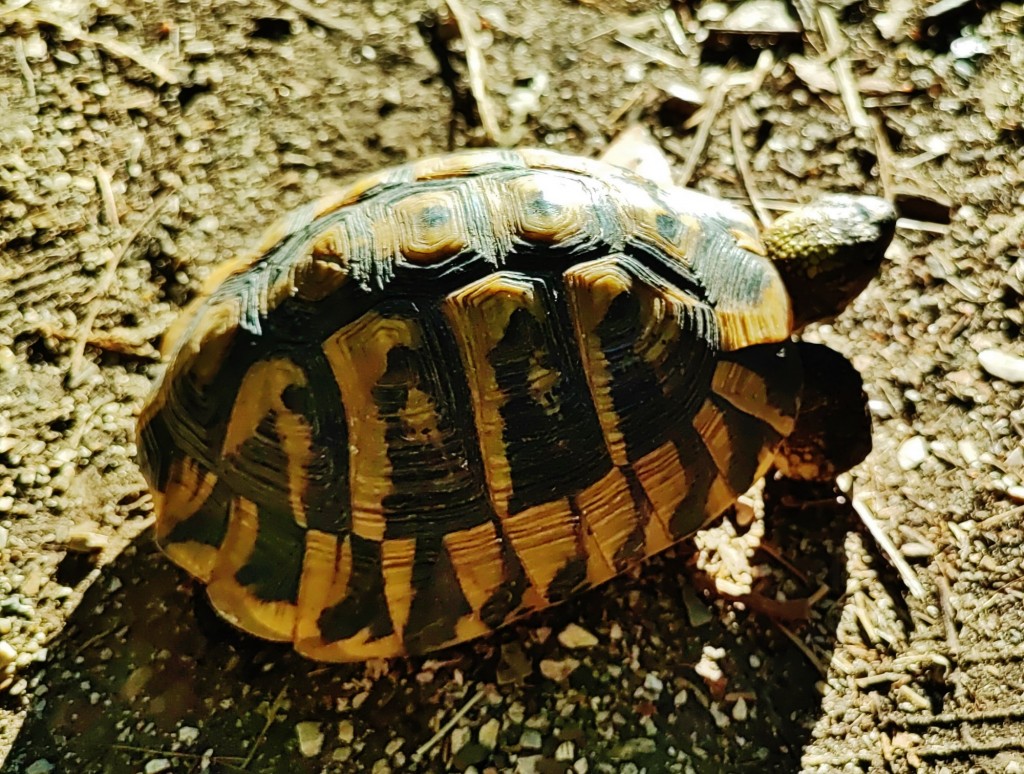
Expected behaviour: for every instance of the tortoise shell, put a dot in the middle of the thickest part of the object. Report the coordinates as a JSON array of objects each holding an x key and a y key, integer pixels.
[{"x": 460, "y": 390}]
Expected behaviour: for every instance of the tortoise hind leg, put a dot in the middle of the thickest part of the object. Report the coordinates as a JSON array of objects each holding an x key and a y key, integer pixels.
[{"x": 833, "y": 427}]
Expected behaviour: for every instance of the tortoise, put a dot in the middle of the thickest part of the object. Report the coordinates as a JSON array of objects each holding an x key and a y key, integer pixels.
[{"x": 459, "y": 390}]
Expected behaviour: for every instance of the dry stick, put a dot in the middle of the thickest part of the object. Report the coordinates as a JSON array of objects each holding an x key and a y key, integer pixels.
[
  {"x": 23, "y": 65},
  {"x": 106, "y": 280},
  {"x": 112, "y": 46},
  {"x": 271, "y": 717},
  {"x": 885, "y": 157},
  {"x": 468, "y": 24},
  {"x": 443, "y": 730},
  {"x": 107, "y": 192},
  {"x": 836, "y": 46},
  {"x": 739, "y": 150},
  {"x": 806, "y": 13},
  {"x": 317, "y": 15},
  {"x": 676, "y": 32},
  {"x": 886, "y": 544},
  {"x": 700, "y": 141},
  {"x": 803, "y": 648},
  {"x": 654, "y": 53}
]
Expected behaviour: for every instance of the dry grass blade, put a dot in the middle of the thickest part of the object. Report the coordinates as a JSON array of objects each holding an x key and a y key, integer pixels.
[
  {"x": 888, "y": 547},
  {"x": 103, "y": 286},
  {"x": 443, "y": 731},
  {"x": 469, "y": 25},
  {"x": 317, "y": 15},
  {"x": 700, "y": 140},
  {"x": 743, "y": 166},
  {"x": 835, "y": 46}
]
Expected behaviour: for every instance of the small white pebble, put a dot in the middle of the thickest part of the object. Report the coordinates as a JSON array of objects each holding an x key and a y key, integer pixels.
[
  {"x": 7, "y": 653},
  {"x": 574, "y": 636},
  {"x": 1016, "y": 493},
  {"x": 653, "y": 683},
  {"x": 739, "y": 709},
  {"x": 346, "y": 731},
  {"x": 311, "y": 739},
  {"x": 460, "y": 738},
  {"x": 1002, "y": 365},
  {"x": 157, "y": 765},
  {"x": 488, "y": 734},
  {"x": 968, "y": 450},
  {"x": 912, "y": 453},
  {"x": 188, "y": 734}
]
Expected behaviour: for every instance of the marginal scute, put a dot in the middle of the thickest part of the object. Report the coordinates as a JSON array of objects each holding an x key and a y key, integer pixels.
[{"x": 269, "y": 619}]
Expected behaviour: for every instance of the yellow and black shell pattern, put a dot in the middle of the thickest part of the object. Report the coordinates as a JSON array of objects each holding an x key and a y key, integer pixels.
[{"x": 459, "y": 391}]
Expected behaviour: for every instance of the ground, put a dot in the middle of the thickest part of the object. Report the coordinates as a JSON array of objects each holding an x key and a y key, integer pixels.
[{"x": 142, "y": 144}]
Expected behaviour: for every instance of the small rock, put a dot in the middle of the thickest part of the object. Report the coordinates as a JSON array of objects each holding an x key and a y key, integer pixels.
[
  {"x": 488, "y": 734},
  {"x": 157, "y": 765},
  {"x": 653, "y": 683},
  {"x": 912, "y": 453},
  {"x": 527, "y": 764},
  {"x": 41, "y": 766},
  {"x": 311, "y": 739},
  {"x": 631, "y": 748},
  {"x": 739, "y": 709},
  {"x": 558, "y": 671},
  {"x": 460, "y": 736},
  {"x": 968, "y": 450},
  {"x": 7, "y": 653},
  {"x": 346, "y": 731},
  {"x": 531, "y": 739},
  {"x": 1002, "y": 365},
  {"x": 566, "y": 751},
  {"x": 574, "y": 636},
  {"x": 1016, "y": 493}
]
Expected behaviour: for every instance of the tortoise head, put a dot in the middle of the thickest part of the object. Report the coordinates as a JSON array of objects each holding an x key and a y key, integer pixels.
[{"x": 828, "y": 251}]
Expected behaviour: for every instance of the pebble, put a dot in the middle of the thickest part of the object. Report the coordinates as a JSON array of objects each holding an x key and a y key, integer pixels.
[
  {"x": 7, "y": 653},
  {"x": 1002, "y": 365},
  {"x": 558, "y": 671},
  {"x": 3, "y": 538},
  {"x": 653, "y": 683},
  {"x": 460, "y": 737},
  {"x": 912, "y": 453},
  {"x": 157, "y": 765},
  {"x": 1016, "y": 493},
  {"x": 346, "y": 731},
  {"x": 531, "y": 739},
  {"x": 574, "y": 636},
  {"x": 311, "y": 738},
  {"x": 488, "y": 734},
  {"x": 41, "y": 766}
]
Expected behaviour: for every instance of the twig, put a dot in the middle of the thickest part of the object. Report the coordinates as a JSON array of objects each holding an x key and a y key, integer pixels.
[
  {"x": 107, "y": 192},
  {"x": 700, "y": 140},
  {"x": 318, "y": 15},
  {"x": 442, "y": 732},
  {"x": 946, "y": 604},
  {"x": 884, "y": 154},
  {"x": 810, "y": 24},
  {"x": 224, "y": 760},
  {"x": 739, "y": 151},
  {"x": 654, "y": 53},
  {"x": 999, "y": 518},
  {"x": 23, "y": 65},
  {"x": 103, "y": 286},
  {"x": 468, "y": 24},
  {"x": 802, "y": 646},
  {"x": 835, "y": 46},
  {"x": 271, "y": 717},
  {"x": 675, "y": 31},
  {"x": 886, "y": 544}
]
